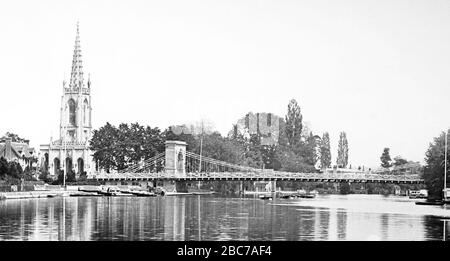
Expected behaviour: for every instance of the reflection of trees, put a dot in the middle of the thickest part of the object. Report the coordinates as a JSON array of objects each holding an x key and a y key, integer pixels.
[
  {"x": 341, "y": 224},
  {"x": 384, "y": 226},
  {"x": 306, "y": 224},
  {"x": 199, "y": 218},
  {"x": 434, "y": 228},
  {"x": 324, "y": 218}
]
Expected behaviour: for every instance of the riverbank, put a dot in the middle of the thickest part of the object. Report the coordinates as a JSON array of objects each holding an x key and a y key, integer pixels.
[
  {"x": 43, "y": 194},
  {"x": 79, "y": 191}
]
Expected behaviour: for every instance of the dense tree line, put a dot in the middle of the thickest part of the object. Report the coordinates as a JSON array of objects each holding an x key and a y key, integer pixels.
[
  {"x": 10, "y": 170},
  {"x": 117, "y": 148}
]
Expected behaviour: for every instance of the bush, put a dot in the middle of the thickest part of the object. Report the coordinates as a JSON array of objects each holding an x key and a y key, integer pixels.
[
  {"x": 344, "y": 188},
  {"x": 44, "y": 176}
]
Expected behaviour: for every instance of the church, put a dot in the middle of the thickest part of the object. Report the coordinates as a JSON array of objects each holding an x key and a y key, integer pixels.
[{"x": 70, "y": 153}]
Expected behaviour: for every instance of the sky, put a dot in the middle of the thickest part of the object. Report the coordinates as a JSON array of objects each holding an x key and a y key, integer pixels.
[{"x": 378, "y": 70}]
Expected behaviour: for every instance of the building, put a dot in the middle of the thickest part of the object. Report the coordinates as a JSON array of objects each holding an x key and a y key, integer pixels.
[
  {"x": 268, "y": 125},
  {"x": 71, "y": 151},
  {"x": 409, "y": 167},
  {"x": 18, "y": 151}
]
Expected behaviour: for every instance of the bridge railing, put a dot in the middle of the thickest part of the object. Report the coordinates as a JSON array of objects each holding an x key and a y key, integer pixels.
[{"x": 263, "y": 175}]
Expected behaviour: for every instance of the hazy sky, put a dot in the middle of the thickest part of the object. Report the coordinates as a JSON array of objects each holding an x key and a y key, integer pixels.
[{"x": 378, "y": 70}]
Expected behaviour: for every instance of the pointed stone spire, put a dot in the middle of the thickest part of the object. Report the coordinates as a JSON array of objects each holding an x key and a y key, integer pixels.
[{"x": 76, "y": 76}]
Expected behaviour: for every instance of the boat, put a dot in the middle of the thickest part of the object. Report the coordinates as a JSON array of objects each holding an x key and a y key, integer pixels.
[
  {"x": 304, "y": 194},
  {"x": 112, "y": 191},
  {"x": 142, "y": 193},
  {"x": 85, "y": 194},
  {"x": 433, "y": 203},
  {"x": 308, "y": 196},
  {"x": 203, "y": 193},
  {"x": 269, "y": 197},
  {"x": 418, "y": 194},
  {"x": 160, "y": 191}
]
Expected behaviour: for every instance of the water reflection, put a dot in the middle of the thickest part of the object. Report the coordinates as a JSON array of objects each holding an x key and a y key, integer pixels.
[{"x": 216, "y": 218}]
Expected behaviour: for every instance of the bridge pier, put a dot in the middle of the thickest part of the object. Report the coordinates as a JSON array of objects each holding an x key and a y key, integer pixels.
[{"x": 175, "y": 158}]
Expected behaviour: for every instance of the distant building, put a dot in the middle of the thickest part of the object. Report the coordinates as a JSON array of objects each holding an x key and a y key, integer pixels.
[
  {"x": 19, "y": 152},
  {"x": 268, "y": 125},
  {"x": 410, "y": 167}
]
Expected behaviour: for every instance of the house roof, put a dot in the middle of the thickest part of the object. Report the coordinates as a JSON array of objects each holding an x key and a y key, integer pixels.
[
  {"x": 3, "y": 152},
  {"x": 18, "y": 149}
]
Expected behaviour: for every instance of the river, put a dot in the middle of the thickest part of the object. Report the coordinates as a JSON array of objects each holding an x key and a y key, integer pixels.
[{"x": 326, "y": 217}]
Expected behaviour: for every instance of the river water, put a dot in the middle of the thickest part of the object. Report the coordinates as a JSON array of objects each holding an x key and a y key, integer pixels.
[{"x": 326, "y": 217}]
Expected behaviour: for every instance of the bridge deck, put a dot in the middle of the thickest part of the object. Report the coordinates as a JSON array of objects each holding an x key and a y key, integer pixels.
[{"x": 263, "y": 176}]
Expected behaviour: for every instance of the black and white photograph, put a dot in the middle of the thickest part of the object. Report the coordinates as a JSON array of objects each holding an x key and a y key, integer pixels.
[{"x": 224, "y": 121}]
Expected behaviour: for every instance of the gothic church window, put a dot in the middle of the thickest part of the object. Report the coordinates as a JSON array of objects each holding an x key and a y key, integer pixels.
[
  {"x": 72, "y": 115},
  {"x": 85, "y": 111}
]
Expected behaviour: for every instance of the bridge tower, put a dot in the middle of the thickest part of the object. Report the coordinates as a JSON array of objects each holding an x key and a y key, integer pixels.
[{"x": 176, "y": 158}]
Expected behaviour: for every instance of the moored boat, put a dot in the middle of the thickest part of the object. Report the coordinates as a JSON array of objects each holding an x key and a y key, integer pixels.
[
  {"x": 143, "y": 193},
  {"x": 418, "y": 194},
  {"x": 112, "y": 191},
  {"x": 308, "y": 196},
  {"x": 433, "y": 203},
  {"x": 269, "y": 197}
]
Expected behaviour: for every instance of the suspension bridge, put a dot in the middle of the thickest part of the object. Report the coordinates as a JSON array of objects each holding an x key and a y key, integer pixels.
[{"x": 177, "y": 164}]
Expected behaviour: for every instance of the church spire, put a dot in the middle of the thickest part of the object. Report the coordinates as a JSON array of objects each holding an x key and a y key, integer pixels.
[{"x": 76, "y": 76}]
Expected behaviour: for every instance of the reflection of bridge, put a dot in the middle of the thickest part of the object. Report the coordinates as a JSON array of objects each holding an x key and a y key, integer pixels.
[{"x": 177, "y": 164}]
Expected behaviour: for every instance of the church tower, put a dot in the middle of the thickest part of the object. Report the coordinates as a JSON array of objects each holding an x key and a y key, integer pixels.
[
  {"x": 75, "y": 124},
  {"x": 70, "y": 153}
]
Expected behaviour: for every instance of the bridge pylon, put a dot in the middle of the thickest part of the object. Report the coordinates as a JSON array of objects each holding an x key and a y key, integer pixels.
[{"x": 175, "y": 158}]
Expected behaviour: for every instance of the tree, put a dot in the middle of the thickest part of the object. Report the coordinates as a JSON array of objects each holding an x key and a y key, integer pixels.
[
  {"x": 325, "y": 151},
  {"x": 308, "y": 149},
  {"x": 342, "y": 159},
  {"x": 70, "y": 177},
  {"x": 119, "y": 148},
  {"x": 398, "y": 161},
  {"x": 344, "y": 188},
  {"x": 268, "y": 153},
  {"x": 3, "y": 167},
  {"x": 291, "y": 162},
  {"x": 385, "y": 159},
  {"x": 217, "y": 147},
  {"x": 293, "y": 127},
  {"x": 103, "y": 142},
  {"x": 44, "y": 176},
  {"x": 15, "y": 138},
  {"x": 434, "y": 166},
  {"x": 14, "y": 170}
]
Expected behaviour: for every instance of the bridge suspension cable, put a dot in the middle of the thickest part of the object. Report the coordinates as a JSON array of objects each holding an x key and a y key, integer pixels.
[
  {"x": 217, "y": 165},
  {"x": 148, "y": 165}
]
